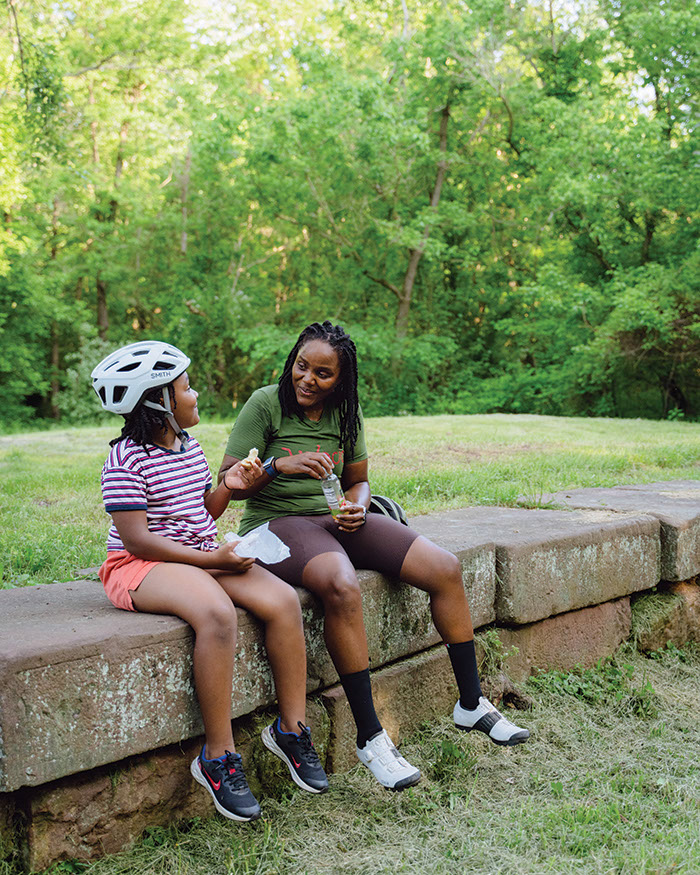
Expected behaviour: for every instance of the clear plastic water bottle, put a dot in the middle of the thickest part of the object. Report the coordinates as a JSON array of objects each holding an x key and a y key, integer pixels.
[{"x": 333, "y": 492}]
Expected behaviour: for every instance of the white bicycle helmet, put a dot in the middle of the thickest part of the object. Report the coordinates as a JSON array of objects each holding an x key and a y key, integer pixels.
[{"x": 122, "y": 379}]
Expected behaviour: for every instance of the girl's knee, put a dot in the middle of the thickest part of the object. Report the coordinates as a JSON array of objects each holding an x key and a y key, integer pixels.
[
  {"x": 287, "y": 602},
  {"x": 217, "y": 618}
]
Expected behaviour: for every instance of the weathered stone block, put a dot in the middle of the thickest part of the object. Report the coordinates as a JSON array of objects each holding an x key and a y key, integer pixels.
[
  {"x": 562, "y": 642},
  {"x": 689, "y": 592},
  {"x": 83, "y": 684},
  {"x": 100, "y": 684},
  {"x": 102, "y": 811},
  {"x": 550, "y": 562},
  {"x": 475, "y": 550},
  {"x": 676, "y": 504},
  {"x": 405, "y": 694}
]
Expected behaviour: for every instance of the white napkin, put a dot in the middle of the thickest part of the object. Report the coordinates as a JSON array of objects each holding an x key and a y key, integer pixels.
[{"x": 260, "y": 544}]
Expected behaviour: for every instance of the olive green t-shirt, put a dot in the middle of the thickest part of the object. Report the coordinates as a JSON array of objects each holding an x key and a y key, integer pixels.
[{"x": 261, "y": 424}]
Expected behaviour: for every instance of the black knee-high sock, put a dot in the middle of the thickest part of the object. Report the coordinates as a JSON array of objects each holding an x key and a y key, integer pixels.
[
  {"x": 358, "y": 689},
  {"x": 463, "y": 659}
]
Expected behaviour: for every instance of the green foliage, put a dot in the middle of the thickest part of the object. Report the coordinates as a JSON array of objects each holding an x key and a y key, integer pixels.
[
  {"x": 76, "y": 403},
  {"x": 610, "y": 683},
  {"x": 495, "y": 653},
  {"x": 686, "y": 654},
  {"x": 499, "y": 200}
]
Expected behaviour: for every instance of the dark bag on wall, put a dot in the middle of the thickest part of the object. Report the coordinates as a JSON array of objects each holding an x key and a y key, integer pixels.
[{"x": 389, "y": 507}]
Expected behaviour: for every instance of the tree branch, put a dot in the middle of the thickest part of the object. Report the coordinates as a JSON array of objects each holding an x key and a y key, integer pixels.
[
  {"x": 385, "y": 283},
  {"x": 13, "y": 14},
  {"x": 509, "y": 138}
]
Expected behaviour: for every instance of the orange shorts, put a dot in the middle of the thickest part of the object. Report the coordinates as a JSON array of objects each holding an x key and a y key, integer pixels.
[{"x": 121, "y": 573}]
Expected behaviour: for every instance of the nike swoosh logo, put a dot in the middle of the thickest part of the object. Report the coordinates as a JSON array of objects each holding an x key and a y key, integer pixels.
[
  {"x": 298, "y": 765},
  {"x": 215, "y": 784}
]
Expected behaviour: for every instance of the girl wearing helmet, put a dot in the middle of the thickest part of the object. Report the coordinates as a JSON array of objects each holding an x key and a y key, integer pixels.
[
  {"x": 163, "y": 558},
  {"x": 308, "y": 426}
]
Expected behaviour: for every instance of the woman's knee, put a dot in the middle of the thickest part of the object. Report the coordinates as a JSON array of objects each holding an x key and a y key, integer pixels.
[
  {"x": 432, "y": 568},
  {"x": 449, "y": 567},
  {"x": 340, "y": 592}
]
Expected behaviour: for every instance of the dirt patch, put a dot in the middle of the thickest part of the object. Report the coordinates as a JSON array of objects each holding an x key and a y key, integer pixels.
[{"x": 458, "y": 455}]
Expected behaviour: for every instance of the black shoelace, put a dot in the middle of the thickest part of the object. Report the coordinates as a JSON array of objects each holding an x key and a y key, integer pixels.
[
  {"x": 236, "y": 780},
  {"x": 306, "y": 745}
]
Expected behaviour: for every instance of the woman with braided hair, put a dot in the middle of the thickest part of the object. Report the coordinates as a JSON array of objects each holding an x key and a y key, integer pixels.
[{"x": 306, "y": 427}]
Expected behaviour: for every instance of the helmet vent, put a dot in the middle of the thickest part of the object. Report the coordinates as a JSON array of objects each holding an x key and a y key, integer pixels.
[{"x": 123, "y": 378}]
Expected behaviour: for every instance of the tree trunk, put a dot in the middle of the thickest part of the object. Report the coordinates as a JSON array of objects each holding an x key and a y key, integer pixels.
[
  {"x": 102, "y": 314},
  {"x": 55, "y": 354},
  {"x": 416, "y": 254},
  {"x": 183, "y": 199}
]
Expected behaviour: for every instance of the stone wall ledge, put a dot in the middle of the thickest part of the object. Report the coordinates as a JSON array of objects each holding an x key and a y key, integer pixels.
[
  {"x": 552, "y": 561},
  {"x": 83, "y": 685},
  {"x": 675, "y": 503}
]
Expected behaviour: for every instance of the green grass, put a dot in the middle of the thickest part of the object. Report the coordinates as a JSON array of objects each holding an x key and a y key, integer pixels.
[
  {"x": 603, "y": 786},
  {"x": 52, "y": 523}
]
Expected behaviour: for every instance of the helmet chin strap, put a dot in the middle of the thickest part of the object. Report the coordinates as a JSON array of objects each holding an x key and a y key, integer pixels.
[{"x": 168, "y": 411}]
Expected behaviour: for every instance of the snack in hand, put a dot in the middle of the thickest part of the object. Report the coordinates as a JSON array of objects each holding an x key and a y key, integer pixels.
[{"x": 250, "y": 458}]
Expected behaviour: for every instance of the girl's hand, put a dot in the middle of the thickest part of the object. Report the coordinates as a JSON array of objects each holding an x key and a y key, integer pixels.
[
  {"x": 351, "y": 517},
  {"x": 226, "y": 558},
  {"x": 316, "y": 465},
  {"x": 243, "y": 474}
]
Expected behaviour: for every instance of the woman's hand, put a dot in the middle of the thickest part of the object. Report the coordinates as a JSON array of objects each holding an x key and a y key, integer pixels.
[
  {"x": 316, "y": 465},
  {"x": 351, "y": 517},
  {"x": 226, "y": 558},
  {"x": 243, "y": 474}
]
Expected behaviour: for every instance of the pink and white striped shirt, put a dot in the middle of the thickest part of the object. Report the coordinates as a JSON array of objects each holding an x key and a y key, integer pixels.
[{"x": 168, "y": 485}]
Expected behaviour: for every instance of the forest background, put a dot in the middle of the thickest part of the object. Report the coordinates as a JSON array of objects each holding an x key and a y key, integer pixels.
[{"x": 498, "y": 199}]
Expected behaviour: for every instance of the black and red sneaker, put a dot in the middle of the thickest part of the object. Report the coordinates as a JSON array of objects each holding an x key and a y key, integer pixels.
[
  {"x": 299, "y": 754},
  {"x": 226, "y": 782}
]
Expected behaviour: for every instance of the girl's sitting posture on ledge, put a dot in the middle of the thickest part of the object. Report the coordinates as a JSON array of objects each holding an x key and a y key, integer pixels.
[
  {"x": 308, "y": 426},
  {"x": 163, "y": 558}
]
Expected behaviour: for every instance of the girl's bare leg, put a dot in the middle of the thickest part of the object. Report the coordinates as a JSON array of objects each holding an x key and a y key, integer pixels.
[
  {"x": 193, "y": 594},
  {"x": 276, "y": 604}
]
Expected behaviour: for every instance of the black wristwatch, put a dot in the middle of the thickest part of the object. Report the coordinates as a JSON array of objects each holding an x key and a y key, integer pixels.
[{"x": 269, "y": 467}]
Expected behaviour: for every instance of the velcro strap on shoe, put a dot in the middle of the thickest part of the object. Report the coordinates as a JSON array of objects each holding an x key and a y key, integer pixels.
[{"x": 487, "y": 722}]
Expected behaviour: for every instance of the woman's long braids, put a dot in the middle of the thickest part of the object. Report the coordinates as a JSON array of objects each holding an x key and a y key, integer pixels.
[
  {"x": 345, "y": 392},
  {"x": 143, "y": 424}
]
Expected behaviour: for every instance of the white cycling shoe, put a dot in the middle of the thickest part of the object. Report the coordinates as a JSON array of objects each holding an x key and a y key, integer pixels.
[
  {"x": 386, "y": 763},
  {"x": 487, "y": 719}
]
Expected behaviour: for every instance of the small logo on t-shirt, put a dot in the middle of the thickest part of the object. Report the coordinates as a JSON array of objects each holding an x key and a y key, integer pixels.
[{"x": 336, "y": 456}]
